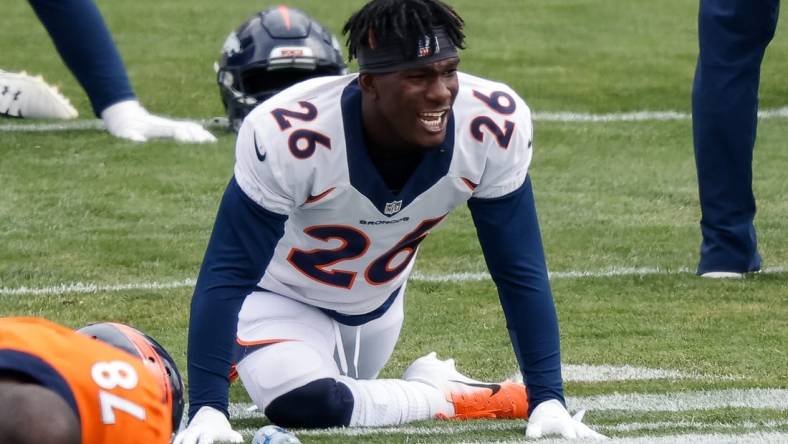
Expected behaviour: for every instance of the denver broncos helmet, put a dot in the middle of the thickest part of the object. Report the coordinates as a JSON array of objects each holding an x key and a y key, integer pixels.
[
  {"x": 155, "y": 357},
  {"x": 272, "y": 50}
]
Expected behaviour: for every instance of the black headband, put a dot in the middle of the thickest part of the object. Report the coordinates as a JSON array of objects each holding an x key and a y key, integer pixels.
[{"x": 431, "y": 48}]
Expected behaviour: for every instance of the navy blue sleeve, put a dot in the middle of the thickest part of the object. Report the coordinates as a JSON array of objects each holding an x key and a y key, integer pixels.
[
  {"x": 242, "y": 242},
  {"x": 85, "y": 45},
  {"x": 509, "y": 235},
  {"x": 33, "y": 367}
]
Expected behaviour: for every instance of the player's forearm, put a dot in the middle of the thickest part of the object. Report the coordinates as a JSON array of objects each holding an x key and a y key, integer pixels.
[
  {"x": 212, "y": 328},
  {"x": 242, "y": 242},
  {"x": 533, "y": 329},
  {"x": 515, "y": 258}
]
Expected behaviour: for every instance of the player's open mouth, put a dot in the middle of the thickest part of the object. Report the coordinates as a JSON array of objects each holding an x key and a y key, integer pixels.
[{"x": 434, "y": 121}]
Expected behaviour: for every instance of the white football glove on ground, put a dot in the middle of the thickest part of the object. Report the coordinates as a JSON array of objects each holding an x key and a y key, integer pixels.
[
  {"x": 208, "y": 426},
  {"x": 130, "y": 120},
  {"x": 552, "y": 418}
]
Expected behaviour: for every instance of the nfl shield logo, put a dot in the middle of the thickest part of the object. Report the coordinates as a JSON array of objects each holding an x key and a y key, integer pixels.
[{"x": 392, "y": 207}]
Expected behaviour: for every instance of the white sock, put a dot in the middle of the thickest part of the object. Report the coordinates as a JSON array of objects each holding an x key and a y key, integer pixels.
[{"x": 384, "y": 402}]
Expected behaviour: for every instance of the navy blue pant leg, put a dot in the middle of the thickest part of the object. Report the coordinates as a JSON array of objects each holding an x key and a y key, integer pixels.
[
  {"x": 733, "y": 37},
  {"x": 85, "y": 45}
]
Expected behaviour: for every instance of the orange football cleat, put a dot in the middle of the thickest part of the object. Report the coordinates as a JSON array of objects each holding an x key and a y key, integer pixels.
[
  {"x": 471, "y": 399},
  {"x": 506, "y": 400}
]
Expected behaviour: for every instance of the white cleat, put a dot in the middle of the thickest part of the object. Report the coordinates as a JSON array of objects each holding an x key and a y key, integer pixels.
[
  {"x": 472, "y": 399},
  {"x": 722, "y": 275},
  {"x": 25, "y": 96}
]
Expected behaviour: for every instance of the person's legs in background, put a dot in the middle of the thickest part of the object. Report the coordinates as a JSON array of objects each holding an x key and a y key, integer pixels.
[{"x": 733, "y": 37}]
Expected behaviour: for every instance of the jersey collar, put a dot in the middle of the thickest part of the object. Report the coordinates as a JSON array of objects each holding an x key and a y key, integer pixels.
[{"x": 364, "y": 176}]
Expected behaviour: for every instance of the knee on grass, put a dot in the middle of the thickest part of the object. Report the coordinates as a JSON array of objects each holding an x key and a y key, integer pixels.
[{"x": 319, "y": 404}]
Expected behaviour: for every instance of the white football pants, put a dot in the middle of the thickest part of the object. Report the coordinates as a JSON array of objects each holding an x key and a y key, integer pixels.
[{"x": 313, "y": 346}]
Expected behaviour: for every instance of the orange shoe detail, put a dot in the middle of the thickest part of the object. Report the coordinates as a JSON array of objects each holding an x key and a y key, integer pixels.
[{"x": 506, "y": 400}]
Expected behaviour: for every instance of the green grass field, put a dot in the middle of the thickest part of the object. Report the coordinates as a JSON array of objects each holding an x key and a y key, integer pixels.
[{"x": 617, "y": 203}]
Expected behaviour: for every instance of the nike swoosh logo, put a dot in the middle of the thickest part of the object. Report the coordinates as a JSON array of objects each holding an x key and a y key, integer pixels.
[
  {"x": 312, "y": 198},
  {"x": 494, "y": 387},
  {"x": 260, "y": 156}
]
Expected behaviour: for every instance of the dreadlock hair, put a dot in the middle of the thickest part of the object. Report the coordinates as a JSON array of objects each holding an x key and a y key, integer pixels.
[{"x": 401, "y": 23}]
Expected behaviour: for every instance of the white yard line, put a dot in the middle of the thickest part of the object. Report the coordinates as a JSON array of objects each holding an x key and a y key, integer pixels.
[
  {"x": 694, "y": 425},
  {"x": 602, "y": 373},
  {"x": 83, "y": 124},
  {"x": 447, "y": 429},
  {"x": 70, "y": 125},
  {"x": 609, "y": 272},
  {"x": 606, "y": 373},
  {"x": 560, "y": 116},
  {"x": 638, "y": 116},
  {"x": 774, "y": 399},
  {"x": 87, "y": 287},
  {"x": 691, "y": 438},
  {"x": 760, "y": 435}
]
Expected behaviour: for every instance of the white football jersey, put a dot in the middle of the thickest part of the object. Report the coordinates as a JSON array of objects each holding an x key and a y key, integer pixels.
[{"x": 349, "y": 242}]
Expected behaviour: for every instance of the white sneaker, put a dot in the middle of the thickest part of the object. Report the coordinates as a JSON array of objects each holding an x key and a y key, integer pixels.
[
  {"x": 472, "y": 399},
  {"x": 722, "y": 275},
  {"x": 25, "y": 96}
]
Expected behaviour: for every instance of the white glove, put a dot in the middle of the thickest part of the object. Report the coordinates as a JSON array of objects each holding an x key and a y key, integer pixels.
[
  {"x": 551, "y": 418},
  {"x": 208, "y": 425},
  {"x": 130, "y": 120}
]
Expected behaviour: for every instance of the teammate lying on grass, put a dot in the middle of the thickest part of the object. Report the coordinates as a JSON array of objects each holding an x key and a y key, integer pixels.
[{"x": 106, "y": 383}]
